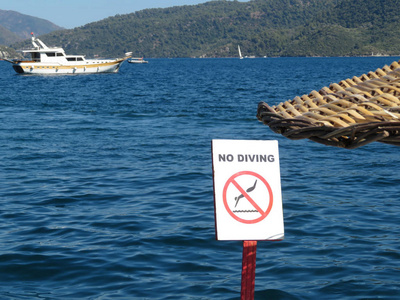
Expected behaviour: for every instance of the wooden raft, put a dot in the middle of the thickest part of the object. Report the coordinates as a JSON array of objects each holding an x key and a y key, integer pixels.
[{"x": 349, "y": 114}]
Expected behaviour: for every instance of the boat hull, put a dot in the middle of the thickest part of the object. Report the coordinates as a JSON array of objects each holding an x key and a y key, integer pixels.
[{"x": 54, "y": 69}]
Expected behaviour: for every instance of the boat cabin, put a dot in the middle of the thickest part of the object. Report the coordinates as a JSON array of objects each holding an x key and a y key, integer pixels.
[
  {"x": 42, "y": 53},
  {"x": 52, "y": 55}
]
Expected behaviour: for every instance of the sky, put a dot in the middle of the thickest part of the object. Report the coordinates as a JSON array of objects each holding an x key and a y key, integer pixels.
[{"x": 73, "y": 13}]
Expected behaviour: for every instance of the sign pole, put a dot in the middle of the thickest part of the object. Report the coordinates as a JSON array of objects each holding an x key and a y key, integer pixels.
[
  {"x": 248, "y": 270},
  {"x": 247, "y": 199}
]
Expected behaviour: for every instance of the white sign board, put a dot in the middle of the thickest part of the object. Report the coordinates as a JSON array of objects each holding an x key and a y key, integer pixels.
[{"x": 247, "y": 190}]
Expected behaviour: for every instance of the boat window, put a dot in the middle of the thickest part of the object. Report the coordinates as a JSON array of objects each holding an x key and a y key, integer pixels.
[
  {"x": 71, "y": 58},
  {"x": 60, "y": 54},
  {"x": 35, "y": 56},
  {"x": 50, "y": 54},
  {"x": 80, "y": 59}
]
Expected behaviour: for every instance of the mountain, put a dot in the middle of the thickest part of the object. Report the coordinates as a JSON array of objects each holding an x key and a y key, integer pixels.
[
  {"x": 260, "y": 27},
  {"x": 7, "y": 37},
  {"x": 15, "y": 26}
]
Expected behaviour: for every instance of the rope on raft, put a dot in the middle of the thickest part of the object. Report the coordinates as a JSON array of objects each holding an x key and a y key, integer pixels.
[{"x": 350, "y": 114}]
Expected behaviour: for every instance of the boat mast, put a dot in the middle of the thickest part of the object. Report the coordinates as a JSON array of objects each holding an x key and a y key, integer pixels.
[{"x": 42, "y": 45}]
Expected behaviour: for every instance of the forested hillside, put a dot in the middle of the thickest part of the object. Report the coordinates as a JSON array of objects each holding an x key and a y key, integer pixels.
[
  {"x": 15, "y": 26},
  {"x": 260, "y": 27}
]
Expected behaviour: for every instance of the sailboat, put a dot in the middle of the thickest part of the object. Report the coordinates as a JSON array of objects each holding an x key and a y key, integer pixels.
[{"x": 240, "y": 53}]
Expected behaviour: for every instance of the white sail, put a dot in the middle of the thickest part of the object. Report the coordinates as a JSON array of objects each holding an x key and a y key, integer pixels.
[{"x": 240, "y": 53}]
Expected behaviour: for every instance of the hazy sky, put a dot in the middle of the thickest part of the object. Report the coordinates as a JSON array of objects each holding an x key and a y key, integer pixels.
[{"x": 74, "y": 13}]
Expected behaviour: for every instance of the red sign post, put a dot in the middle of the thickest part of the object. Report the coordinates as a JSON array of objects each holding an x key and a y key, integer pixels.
[{"x": 248, "y": 270}]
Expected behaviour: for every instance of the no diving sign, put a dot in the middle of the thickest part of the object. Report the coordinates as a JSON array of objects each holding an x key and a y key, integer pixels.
[
  {"x": 247, "y": 191},
  {"x": 251, "y": 206}
]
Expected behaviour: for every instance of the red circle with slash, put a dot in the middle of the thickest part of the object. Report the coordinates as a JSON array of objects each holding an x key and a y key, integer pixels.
[{"x": 232, "y": 181}]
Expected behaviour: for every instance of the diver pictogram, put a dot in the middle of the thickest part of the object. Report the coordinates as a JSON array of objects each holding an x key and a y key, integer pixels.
[
  {"x": 250, "y": 189},
  {"x": 255, "y": 200}
]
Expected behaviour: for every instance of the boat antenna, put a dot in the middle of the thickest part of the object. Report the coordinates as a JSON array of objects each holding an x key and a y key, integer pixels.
[{"x": 33, "y": 41}]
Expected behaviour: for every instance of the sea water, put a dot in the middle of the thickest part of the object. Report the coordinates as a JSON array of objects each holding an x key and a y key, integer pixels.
[{"x": 106, "y": 186}]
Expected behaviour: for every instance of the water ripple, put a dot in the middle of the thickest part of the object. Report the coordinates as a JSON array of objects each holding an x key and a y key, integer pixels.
[{"x": 106, "y": 186}]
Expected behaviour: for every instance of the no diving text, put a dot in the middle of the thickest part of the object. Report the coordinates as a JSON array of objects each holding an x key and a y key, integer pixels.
[{"x": 246, "y": 158}]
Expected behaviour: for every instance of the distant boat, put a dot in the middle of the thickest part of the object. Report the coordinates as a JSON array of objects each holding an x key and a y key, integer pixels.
[
  {"x": 137, "y": 61},
  {"x": 240, "y": 53},
  {"x": 52, "y": 60}
]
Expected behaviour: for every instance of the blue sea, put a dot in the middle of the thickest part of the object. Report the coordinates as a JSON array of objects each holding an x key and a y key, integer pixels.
[{"x": 106, "y": 186}]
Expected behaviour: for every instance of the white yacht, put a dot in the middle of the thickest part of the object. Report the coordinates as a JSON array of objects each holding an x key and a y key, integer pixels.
[{"x": 53, "y": 60}]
